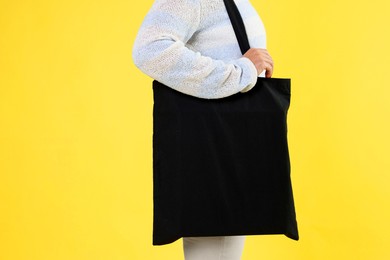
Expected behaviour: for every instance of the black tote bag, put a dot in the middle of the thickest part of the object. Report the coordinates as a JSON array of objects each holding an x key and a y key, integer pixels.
[{"x": 221, "y": 166}]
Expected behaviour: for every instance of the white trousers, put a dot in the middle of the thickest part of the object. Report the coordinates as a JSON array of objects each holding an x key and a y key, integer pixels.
[{"x": 213, "y": 248}]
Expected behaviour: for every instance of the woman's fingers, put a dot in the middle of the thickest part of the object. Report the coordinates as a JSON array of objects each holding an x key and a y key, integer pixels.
[
  {"x": 268, "y": 72},
  {"x": 261, "y": 59}
]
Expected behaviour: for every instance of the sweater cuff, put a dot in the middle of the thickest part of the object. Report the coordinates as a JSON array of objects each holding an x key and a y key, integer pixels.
[{"x": 251, "y": 71}]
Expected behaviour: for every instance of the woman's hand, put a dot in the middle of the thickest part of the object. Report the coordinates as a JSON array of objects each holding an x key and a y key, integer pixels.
[{"x": 262, "y": 60}]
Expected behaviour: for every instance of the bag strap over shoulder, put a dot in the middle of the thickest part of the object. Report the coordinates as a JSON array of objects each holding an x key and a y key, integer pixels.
[{"x": 238, "y": 25}]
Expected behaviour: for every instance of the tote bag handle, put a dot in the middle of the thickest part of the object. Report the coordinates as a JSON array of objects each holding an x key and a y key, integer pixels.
[{"x": 238, "y": 25}]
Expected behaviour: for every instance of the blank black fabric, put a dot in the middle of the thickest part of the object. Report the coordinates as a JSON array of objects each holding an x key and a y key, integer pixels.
[{"x": 221, "y": 166}]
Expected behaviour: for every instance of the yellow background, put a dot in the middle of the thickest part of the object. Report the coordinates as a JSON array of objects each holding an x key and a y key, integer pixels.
[{"x": 76, "y": 130}]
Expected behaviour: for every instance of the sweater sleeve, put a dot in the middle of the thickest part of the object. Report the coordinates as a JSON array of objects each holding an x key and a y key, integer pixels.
[{"x": 160, "y": 52}]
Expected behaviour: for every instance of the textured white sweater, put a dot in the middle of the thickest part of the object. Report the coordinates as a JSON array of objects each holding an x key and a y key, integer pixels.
[{"x": 190, "y": 46}]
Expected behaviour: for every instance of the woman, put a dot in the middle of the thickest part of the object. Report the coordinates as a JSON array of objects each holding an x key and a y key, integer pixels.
[{"x": 190, "y": 46}]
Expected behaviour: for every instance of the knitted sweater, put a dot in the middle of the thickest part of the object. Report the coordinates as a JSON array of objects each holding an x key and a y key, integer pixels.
[{"x": 190, "y": 46}]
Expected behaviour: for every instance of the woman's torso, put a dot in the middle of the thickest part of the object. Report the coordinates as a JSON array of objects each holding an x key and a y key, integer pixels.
[{"x": 215, "y": 36}]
